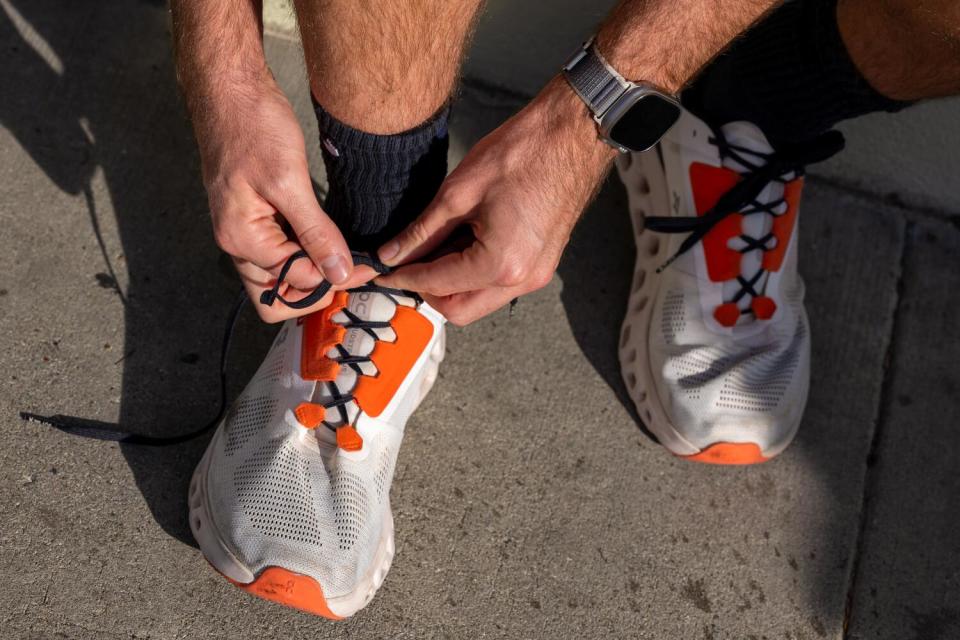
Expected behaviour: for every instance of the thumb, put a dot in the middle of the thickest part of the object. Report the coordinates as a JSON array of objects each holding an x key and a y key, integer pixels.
[
  {"x": 317, "y": 234},
  {"x": 425, "y": 234}
]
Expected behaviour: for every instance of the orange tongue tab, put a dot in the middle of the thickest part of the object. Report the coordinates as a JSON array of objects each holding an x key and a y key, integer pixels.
[
  {"x": 727, "y": 314},
  {"x": 348, "y": 439},
  {"x": 763, "y": 307},
  {"x": 310, "y": 415}
]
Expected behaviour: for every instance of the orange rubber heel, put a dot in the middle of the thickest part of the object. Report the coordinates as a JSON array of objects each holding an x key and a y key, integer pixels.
[
  {"x": 729, "y": 453},
  {"x": 291, "y": 590}
]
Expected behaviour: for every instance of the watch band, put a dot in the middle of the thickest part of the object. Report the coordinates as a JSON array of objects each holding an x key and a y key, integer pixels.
[{"x": 595, "y": 81}]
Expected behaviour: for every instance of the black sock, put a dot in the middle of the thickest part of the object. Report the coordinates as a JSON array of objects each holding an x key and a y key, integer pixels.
[
  {"x": 790, "y": 75},
  {"x": 378, "y": 184}
]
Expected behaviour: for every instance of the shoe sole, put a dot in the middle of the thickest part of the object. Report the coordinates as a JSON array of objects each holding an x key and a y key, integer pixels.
[
  {"x": 281, "y": 585},
  {"x": 644, "y": 178}
]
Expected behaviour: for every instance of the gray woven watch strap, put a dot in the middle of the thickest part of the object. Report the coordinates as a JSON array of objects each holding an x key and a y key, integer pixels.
[{"x": 594, "y": 81}]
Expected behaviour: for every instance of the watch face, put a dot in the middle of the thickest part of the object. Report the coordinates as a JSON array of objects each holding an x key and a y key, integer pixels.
[{"x": 645, "y": 122}]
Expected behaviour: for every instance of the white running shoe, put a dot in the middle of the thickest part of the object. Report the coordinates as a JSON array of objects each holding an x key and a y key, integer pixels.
[
  {"x": 291, "y": 500},
  {"x": 715, "y": 345}
]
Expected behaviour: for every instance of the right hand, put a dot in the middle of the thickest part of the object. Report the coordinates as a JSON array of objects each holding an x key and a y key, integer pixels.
[{"x": 262, "y": 200}]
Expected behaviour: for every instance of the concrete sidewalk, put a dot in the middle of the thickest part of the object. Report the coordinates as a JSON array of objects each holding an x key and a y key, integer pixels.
[{"x": 530, "y": 510}]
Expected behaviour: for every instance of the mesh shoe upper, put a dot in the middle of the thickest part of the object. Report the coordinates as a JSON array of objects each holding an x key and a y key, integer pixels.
[
  {"x": 285, "y": 495},
  {"x": 727, "y": 339}
]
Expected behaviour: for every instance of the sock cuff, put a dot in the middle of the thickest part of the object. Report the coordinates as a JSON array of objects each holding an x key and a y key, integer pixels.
[{"x": 343, "y": 136}]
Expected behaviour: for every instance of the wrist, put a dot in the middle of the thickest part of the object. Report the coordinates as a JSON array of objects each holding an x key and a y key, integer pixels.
[{"x": 565, "y": 115}]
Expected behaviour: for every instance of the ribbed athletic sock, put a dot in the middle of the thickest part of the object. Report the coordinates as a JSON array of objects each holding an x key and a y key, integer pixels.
[
  {"x": 378, "y": 184},
  {"x": 791, "y": 75}
]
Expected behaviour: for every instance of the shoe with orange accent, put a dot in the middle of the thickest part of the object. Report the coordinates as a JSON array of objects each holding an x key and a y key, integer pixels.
[
  {"x": 715, "y": 345},
  {"x": 291, "y": 500}
]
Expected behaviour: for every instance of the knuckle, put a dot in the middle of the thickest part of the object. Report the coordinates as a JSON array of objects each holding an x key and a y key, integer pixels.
[
  {"x": 233, "y": 181},
  {"x": 511, "y": 272},
  {"x": 315, "y": 237},
  {"x": 418, "y": 232},
  {"x": 226, "y": 240},
  {"x": 284, "y": 182},
  {"x": 456, "y": 196}
]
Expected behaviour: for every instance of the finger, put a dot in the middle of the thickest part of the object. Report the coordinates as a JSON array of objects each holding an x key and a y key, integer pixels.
[
  {"x": 453, "y": 273},
  {"x": 256, "y": 280},
  {"x": 315, "y": 231},
  {"x": 463, "y": 308},
  {"x": 425, "y": 234},
  {"x": 361, "y": 275},
  {"x": 256, "y": 236}
]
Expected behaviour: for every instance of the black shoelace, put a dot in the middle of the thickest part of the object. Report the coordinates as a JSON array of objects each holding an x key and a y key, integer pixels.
[
  {"x": 339, "y": 400},
  {"x": 113, "y": 433},
  {"x": 742, "y": 197}
]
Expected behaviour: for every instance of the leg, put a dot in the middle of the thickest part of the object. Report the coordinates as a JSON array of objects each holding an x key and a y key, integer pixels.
[
  {"x": 304, "y": 463},
  {"x": 906, "y": 50},
  {"x": 813, "y": 63},
  {"x": 381, "y": 74}
]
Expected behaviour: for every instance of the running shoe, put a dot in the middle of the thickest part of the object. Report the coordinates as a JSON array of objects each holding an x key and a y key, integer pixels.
[
  {"x": 291, "y": 501},
  {"x": 715, "y": 345}
]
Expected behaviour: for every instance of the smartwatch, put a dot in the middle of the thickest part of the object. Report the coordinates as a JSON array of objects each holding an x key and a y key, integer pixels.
[{"x": 630, "y": 116}]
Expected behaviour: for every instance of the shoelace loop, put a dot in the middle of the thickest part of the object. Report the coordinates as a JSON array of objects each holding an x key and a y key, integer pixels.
[
  {"x": 359, "y": 259},
  {"x": 339, "y": 400}
]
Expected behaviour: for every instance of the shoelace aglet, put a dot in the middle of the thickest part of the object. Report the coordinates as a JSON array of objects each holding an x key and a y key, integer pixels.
[
  {"x": 267, "y": 297},
  {"x": 669, "y": 262}
]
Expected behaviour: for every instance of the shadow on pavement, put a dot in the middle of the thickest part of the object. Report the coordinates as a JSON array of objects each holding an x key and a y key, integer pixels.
[{"x": 92, "y": 98}]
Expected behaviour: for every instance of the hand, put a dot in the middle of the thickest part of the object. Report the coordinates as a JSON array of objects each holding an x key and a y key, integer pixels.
[
  {"x": 520, "y": 191},
  {"x": 262, "y": 200}
]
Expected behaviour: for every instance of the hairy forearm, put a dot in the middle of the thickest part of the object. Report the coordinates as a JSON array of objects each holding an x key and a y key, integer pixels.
[
  {"x": 666, "y": 42},
  {"x": 661, "y": 42},
  {"x": 218, "y": 46}
]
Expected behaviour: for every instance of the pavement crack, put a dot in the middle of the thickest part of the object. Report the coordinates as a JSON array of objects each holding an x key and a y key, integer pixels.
[{"x": 871, "y": 471}]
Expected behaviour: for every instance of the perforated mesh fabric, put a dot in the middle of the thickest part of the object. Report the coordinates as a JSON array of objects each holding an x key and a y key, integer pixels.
[
  {"x": 751, "y": 387},
  {"x": 350, "y": 506},
  {"x": 384, "y": 474},
  {"x": 273, "y": 488},
  {"x": 281, "y": 495},
  {"x": 674, "y": 320},
  {"x": 753, "y": 378},
  {"x": 272, "y": 368},
  {"x": 248, "y": 417},
  {"x": 761, "y": 382}
]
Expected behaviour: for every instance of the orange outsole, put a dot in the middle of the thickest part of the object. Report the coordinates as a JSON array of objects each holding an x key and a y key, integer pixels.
[
  {"x": 729, "y": 453},
  {"x": 289, "y": 589}
]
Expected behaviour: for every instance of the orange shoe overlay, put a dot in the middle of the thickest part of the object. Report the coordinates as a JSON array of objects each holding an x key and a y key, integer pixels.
[
  {"x": 320, "y": 334},
  {"x": 393, "y": 360}
]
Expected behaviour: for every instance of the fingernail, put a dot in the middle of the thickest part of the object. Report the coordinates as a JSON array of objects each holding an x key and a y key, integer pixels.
[
  {"x": 335, "y": 269},
  {"x": 389, "y": 250}
]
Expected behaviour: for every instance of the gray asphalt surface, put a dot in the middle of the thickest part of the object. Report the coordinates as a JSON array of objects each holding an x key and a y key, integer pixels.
[{"x": 529, "y": 503}]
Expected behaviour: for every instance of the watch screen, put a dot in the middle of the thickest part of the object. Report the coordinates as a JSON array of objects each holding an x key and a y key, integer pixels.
[{"x": 644, "y": 123}]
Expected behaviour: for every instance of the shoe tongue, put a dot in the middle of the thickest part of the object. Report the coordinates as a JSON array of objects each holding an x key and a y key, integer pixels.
[
  {"x": 370, "y": 306},
  {"x": 746, "y": 135},
  {"x": 747, "y": 138}
]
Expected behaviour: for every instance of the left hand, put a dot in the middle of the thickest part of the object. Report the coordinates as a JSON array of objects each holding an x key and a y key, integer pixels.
[{"x": 520, "y": 190}]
